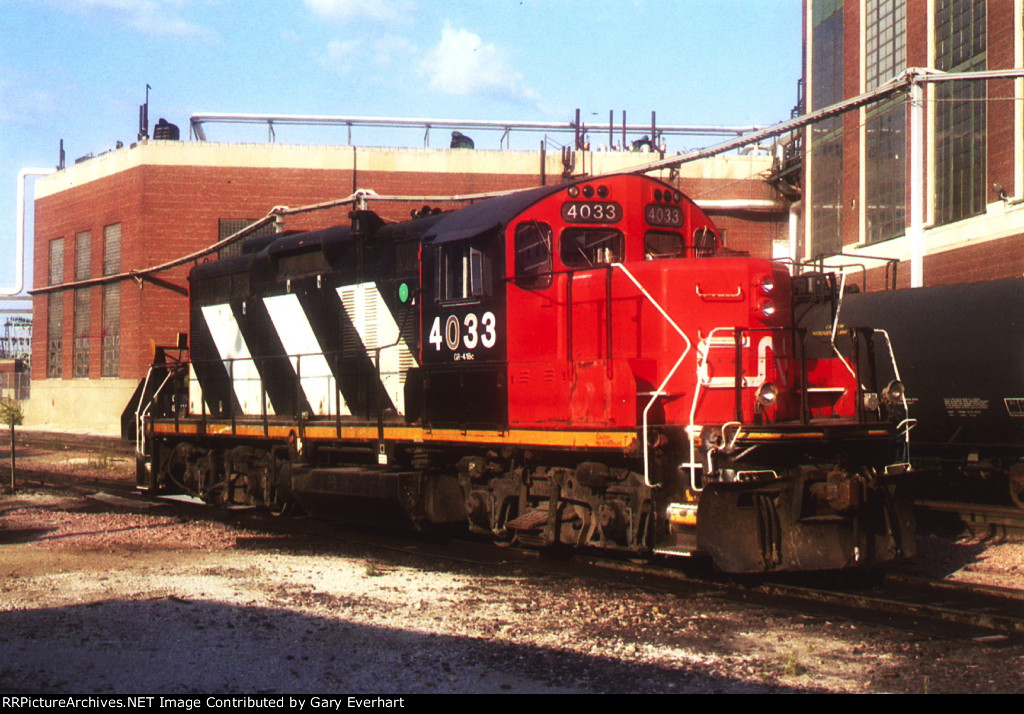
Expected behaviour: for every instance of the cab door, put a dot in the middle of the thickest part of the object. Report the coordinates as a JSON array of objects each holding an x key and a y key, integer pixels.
[{"x": 464, "y": 334}]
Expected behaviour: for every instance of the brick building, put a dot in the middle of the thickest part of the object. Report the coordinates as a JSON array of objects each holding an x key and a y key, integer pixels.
[
  {"x": 857, "y": 166},
  {"x": 156, "y": 201}
]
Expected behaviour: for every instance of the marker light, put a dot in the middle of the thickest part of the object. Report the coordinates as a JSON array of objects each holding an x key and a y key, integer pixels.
[
  {"x": 768, "y": 394},
  {"x": 893, "y": 392}
]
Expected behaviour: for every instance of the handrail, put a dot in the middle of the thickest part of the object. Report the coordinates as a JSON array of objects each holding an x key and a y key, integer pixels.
[
  {"x": 196, "y": 122},
  {"x": 142, "y": 411},
  {"x": 660, "y": 391}
]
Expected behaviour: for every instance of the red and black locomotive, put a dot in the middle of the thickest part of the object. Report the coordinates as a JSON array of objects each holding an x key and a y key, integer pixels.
[{"x": 581, "y": 364}]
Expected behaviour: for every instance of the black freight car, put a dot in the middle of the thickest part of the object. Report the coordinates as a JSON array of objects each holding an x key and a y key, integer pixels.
[{"x": 960, "y": 350}]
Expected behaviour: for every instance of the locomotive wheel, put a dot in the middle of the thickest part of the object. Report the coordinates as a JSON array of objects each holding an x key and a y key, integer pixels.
[{"x": 1016, "y": 479}]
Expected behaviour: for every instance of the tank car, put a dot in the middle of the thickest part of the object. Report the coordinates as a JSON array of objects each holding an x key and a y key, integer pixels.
[
  {"x": 581, "y": 364},
  {"x": 961, "y": 349}
]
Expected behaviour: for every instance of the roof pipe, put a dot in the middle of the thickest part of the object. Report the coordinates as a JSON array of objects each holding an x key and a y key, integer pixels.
[
  {"x": 742, "y": 204},
  {"x": 19, "y": 241}
]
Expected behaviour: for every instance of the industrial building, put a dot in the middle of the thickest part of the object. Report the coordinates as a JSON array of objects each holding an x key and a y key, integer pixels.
[
  {"x": 869, "y": 192},
  {"x": 155, "y": 201}
]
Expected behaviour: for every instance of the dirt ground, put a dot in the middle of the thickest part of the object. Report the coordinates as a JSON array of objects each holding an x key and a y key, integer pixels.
[{"x": 97, "y": 596}]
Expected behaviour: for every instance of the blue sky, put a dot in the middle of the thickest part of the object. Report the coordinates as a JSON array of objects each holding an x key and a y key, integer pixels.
[{"x": 77, "y": 69}]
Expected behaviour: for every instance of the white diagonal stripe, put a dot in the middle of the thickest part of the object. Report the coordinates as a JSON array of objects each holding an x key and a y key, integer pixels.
[
  {"x": 227, "y": 336},
  {"x": 306, "y": 354}
]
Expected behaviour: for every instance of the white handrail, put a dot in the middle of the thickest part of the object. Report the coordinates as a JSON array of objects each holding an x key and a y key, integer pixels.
[{"x": 660, "y": 391}]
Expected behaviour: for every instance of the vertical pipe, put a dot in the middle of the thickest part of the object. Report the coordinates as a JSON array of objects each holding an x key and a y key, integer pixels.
[
  {"x": 804, "y": 401},
  {"x": 231, "y": 402},
  {"x": 794, "y": 229},
  {"x": 608, "y": 319},
  {"x": 915, "y": 231},
  {"x": 738, "y": 357},
  {"x": 568, "y": 316},
  {"x": 19, "y": 243},
  {"x": 543, "y": 163}
]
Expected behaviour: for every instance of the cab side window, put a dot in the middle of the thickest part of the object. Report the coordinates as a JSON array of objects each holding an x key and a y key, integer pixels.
[
  {"x": 463, "y": 273},
  {"x": 533, "y": 263}
]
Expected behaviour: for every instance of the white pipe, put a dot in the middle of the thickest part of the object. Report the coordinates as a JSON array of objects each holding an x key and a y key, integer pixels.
[
  {"x": 19, "y": 241},
  {"x": 794, "y": 231},
  {"x": 915, "y": 231},
  {"x": 197, "y": 120},
  {"x": 741, "y": 204}
]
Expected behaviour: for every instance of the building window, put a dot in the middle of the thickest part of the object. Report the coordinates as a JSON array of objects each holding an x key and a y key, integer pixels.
[
  {"x": 960, "y": 167},
  {"x": 54, "y": 335},
  {"x": 80, "y": 345},
  {"x": 56, "y": 261},
  {"x": 827, "y": 135},
  {"x": 55, "y": 312},
  {"x": 885, "y": 42},
  {"x": 111, "y": 330},
  {"x": 886, "y": 125}
]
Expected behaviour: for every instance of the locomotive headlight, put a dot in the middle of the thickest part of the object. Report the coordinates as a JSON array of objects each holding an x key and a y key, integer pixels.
[
  {"x": 767, "y": 395},
  {"x": 767, "y": 285},
  {"x": 767, "y": 309},
  {"x": 893, "y": 392}
]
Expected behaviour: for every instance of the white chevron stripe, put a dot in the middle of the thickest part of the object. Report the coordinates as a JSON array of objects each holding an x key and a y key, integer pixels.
[
  {"x": 195, "y": 393},
  {"x": 306, "y": 354},
  {"x": 227, "y": 336},
  {"x": 377, "y": 329}
]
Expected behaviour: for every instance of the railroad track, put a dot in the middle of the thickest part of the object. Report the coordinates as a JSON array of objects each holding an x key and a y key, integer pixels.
[
  {"x": 980, "y": 519},
  {"x": 953, "y": 610},
  {"x": 56, "y": 441},
  {"x": 989, "y": 615}
]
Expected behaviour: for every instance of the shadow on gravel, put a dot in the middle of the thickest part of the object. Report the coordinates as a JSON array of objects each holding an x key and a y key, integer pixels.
[
  {"x": 176, "y": 646},
  {"x": 939, "y": 557},
  {"x": 22, "y": 535}
]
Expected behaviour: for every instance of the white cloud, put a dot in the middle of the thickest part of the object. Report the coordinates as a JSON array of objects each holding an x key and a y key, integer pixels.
[
  {"x": 153, "y": 17},
  {"x": 393, "y": 49},
  {"x": 345, "y": 10},
  {"x": 337, "y": 49},
  {"x": 462, "y": 64},
  {"x": 340, "y": 56},
  {"x": 22, "y": 102},
  {"x": 383, "y": 52}
]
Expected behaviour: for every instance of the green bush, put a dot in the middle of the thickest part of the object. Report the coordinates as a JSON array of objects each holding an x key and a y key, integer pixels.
[{"x": 10, "y": 412}]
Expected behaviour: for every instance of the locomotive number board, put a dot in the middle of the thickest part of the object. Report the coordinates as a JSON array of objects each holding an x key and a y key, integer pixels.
[
  {"x": 591, "y": 212},
  {"x": 660, "y": 215}
]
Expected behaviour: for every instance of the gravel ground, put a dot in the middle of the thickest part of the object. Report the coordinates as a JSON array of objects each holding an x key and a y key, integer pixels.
[{"x": 97, "y": 598}]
